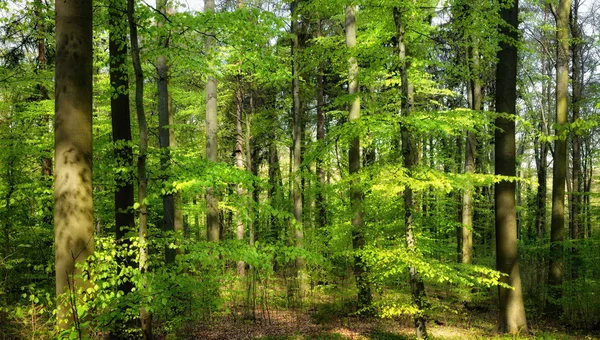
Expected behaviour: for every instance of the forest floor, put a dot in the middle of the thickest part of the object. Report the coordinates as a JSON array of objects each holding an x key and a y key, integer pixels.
[{"x": 299, "y": 325}]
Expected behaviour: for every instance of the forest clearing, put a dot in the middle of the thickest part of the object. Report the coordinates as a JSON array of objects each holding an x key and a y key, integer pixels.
[{"x": 299, "y": 169}]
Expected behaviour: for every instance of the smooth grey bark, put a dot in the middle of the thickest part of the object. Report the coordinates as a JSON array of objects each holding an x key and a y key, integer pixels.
[
  {"x": 239, "y": 163},
  {"x": 212, "y": 201},
  {"x": 73, "y": 207},
  {"x": 512, "y": 311}
]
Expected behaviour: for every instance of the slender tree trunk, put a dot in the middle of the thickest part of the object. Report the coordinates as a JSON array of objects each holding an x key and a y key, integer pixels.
[
  {"x": 356, "y": 195},
  {"x": 559, "y": 171},
  {"x": 577, "y": 95},
  {"x": 470, "y": 152},
  {"x": 512, "y": 311},
  {"x": 239, "y": 163},
  {"x": 164, "y": 131},
  {"x": 297, "y": 152},
  {"x": 212, "y": 201},
  {"x": 47, "y": 204},
  {"x": 121, "y": 132},
  {"x": 145, "y": 316},
  {"x": 73, "y": 208},
  {"x": 410, "y": 155},
  {"x": 320, "y": 199}
]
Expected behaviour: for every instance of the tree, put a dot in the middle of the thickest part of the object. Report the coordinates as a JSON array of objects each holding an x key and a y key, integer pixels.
[
  {"x": 212, "y": 202},
  {"x": 410, "y": 155},
  {"x": 121, "y": 130},
  {"x": 356, "y": 195},
  {"x": 575, "y": 201},
  {"x": 512, "y": 311},
  {"x": 142, "y": 180},
  {"x": 297, "y": 133},
  {"x": 559, "y": 170},
  {"x": 73, "y": 211}
]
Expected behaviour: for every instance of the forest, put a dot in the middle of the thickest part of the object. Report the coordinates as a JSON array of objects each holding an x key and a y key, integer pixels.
[{"x": 299, "y": 169}]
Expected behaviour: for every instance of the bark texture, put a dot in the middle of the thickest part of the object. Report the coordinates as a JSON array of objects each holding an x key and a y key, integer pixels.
[
  {"x": 212, "y": 201},
  {"x": 121, "y": 130},
  {"x": 559, "y": 171},
  {"x": 356, "y": 194},
  {"x": 73, "y": 211},
  {"x": 512, "y": 311}
]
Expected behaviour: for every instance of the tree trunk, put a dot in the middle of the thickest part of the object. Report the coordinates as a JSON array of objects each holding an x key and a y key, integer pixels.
[
  {"x": 559, "y": 171},
  {"x": 577, "y": 96},
  {"x": 121, "y": 132},
  {"x": 410, "y": 155},
  {"x": 212, "y": 201},
  {"x": 73, "y": 210},
  {"x": 145, "y": 316},
  {"x": 512, "y": 311},
  {"x": 320, "y": 198},
  {"x": 164, "y": 133},
  {"x": 356, "y": 195},
  {"x": 239, "y": 163},
  {"x": 297, "y": 152},
  {"x": 470, "y": 152}
]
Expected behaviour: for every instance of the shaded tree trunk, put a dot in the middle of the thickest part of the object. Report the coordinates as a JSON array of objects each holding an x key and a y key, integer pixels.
[
  {"x": 164, "y": 131},
  {"x": 73, "y": 207},
  {"x": 145, "y": 316},
  {"x": 121, "y": 131},
  {"x": 320, "y": 198},
  {"x": 576, "y": 99},
  {"x": 559, "y": 171},
  {"x": 512, "y": 311}
]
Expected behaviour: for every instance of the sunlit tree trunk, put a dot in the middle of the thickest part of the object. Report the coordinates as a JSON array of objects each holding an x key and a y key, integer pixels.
[
  {"x": 356, "y": 195},
  {"x": 212, "y": 201},
  {"x": 239, "y": 163},
  {"x": 470, "y": 153},
  {"x": 559, "y": 171},
  {"x": 410, "y": 155},
  {"x": 73, "y": 211},
  {"x": 512, "y": 311}
]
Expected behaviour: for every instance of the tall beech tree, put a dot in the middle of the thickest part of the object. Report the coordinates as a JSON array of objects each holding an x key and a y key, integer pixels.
[
  {"x": 575, "y": 201},
  {"x": 121, "y": 129},
  {"x": 297, "y": 133},
  {"x": 73, "y": 211},
  {"x": 356, "y": 194},
  {"x": 212, "y": 201},
  {"x": 410, "y": 158},
  {"x": 559, "y": 170},
  {"x": 142, "y": 177},
  {"x": 512, "y": 311}
]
